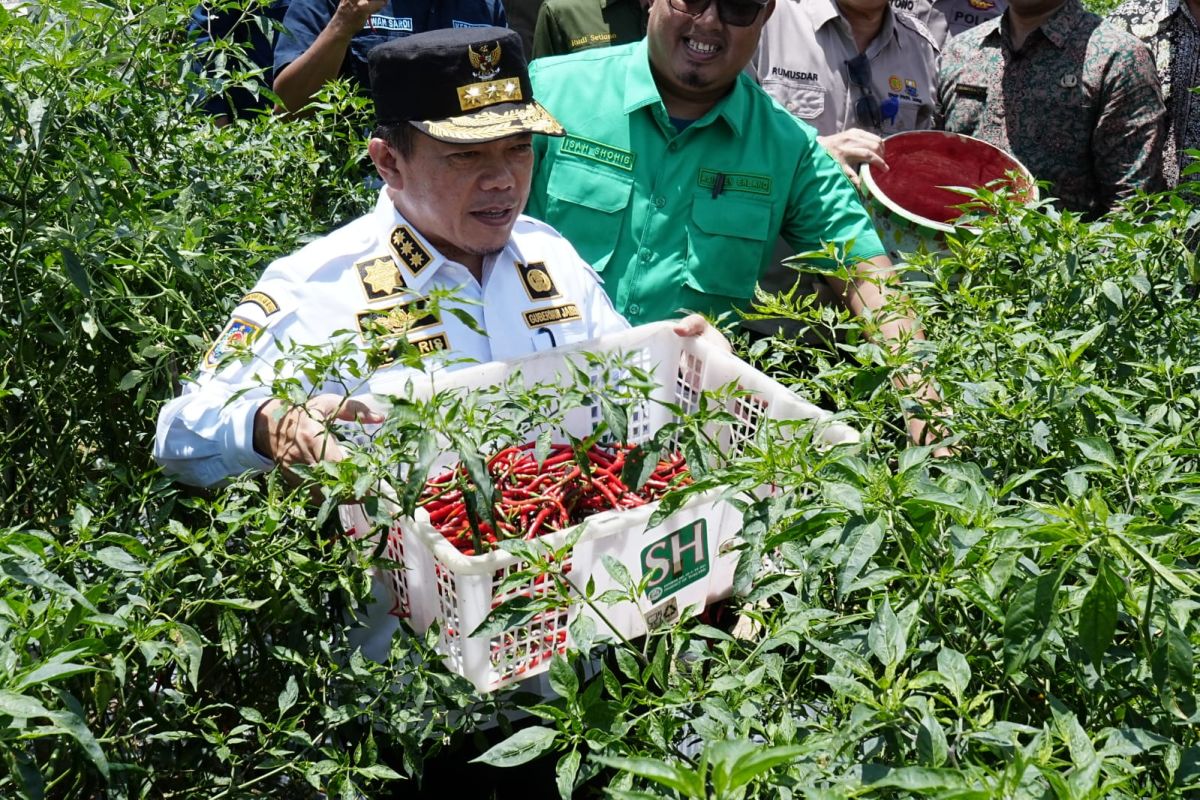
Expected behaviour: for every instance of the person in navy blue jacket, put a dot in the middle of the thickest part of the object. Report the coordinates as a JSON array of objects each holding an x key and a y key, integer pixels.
[
  {"x": 254, "y": 27},
  {"x": 327, "y": 39}
]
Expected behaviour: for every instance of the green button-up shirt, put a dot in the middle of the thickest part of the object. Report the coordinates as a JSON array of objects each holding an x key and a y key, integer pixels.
[
  {"x": 1078, "y": 104},
  {"x": 682, "y": 220}
]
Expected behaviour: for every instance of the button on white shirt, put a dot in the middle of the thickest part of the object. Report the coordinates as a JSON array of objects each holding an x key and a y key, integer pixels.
[{"x": 370, "y": 276}]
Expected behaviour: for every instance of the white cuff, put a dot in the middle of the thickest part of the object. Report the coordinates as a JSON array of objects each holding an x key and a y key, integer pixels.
[{"x": 238, "y": 447}]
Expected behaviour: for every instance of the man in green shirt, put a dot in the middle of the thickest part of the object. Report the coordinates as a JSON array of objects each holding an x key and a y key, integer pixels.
[
  {"x": 568, "y": 26},
  {"x": 679, "y": 172}
]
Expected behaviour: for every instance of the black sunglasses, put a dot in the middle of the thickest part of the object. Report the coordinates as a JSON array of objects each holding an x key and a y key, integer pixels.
[
  {"x": 866, "y": 110},
  {"x": 732, "y": 12}
]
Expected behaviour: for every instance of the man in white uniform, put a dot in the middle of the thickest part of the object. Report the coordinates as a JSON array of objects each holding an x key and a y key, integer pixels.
[{"x": 456, "y": 117}]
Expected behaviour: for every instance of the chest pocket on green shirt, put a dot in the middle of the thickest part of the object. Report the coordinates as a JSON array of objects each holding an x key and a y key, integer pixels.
[
  {"x": 727, "y": 240},
  {"x": 586, "y": 203}
]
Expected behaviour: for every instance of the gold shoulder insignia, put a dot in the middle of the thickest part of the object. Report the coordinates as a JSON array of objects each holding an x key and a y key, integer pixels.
[
  {"x": 380, "y": 278},
  {"x": 408, "y": 250},
  {"x": 536, "y": 280},
  {"x": 262, "y": 300}
]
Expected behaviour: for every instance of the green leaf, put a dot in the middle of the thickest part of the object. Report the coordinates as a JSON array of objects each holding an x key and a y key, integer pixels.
[
  {"x": 920, "y": 779},
  {"x": 752, "y": 764},
  {"x": 119, "y": 560},
  {"x": 50, "y": 672},
  {"x": 861, "y": 539},
  {"x": 70, "y": 723},
  {"x": 1028, "y": 619},
  {"x": 21, "y": 706},
  {"x": 682, "y": 780},
  {"x": 953, "y": 667},
  {"x": 1098, "y": 617},
  {"x": 563, "y": 678},
  {"x": 75, "y": 271},
  {"x": 510, "y": 614},
  {"x": 583, "y": 633},
  {"x": 931, "y": 741},
  {"x": 565, "y": 774},
  {"x": 1084, "y": 342},
  {"x": 617, "y": 571},
  {"x": 287, "y": 698},
  {"x": 1098, "y": 450},
  {"x": 523, "y": 746},
  {"x": 887, "y": 637}
]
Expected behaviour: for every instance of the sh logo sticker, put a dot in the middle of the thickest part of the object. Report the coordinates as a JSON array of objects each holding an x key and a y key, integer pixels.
[{"x": 677, "y": 559}]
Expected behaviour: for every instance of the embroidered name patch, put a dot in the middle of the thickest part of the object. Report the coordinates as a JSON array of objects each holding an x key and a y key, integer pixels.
[
  {"x": 397, "y": 320},
  {"x": 597, "y": 151},
  {"x": 431, "y": 344},
  {"x": 971, "y": 91},
  {"x": 549, "y": 316},
  {"x": 380, "y": 278},
  {"x": 238, "y": 333},
  {"x": 262, "y": 300},
  {"x": 735, "y": 182},
  {"x": 536, "y": 280},
  {"x": 408, "y": 250}
]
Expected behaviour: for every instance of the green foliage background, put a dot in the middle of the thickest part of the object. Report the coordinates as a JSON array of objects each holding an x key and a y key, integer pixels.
[{"x": 1017, "y": 621}]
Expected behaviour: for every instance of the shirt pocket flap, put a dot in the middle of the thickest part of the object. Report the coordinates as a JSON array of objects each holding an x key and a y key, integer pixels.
[
  {"x": 598, "y": 188},
  {"x": 723, "y": 215}
]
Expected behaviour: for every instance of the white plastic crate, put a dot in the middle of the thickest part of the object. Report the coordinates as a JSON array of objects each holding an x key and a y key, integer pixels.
[{"x": 686, "y": 554}]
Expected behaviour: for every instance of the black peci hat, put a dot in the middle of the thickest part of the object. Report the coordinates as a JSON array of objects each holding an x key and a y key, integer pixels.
[{"x": 458, "y": 85}]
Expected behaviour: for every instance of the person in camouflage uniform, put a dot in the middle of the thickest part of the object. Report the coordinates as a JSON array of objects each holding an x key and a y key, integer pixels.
[
  {"x": 1075, "y": 99},
  {"x": 1169, "y": 29}
]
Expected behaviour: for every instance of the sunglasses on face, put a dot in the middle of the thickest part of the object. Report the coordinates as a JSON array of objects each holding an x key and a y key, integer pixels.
[
  {"x": 738, "y": 13},
  {"x": 866, "y": 110}
]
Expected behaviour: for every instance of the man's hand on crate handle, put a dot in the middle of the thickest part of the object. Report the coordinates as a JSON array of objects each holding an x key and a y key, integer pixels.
[
  {"x": 697, "y": 325},
  {"x": 300, "y": 434}
]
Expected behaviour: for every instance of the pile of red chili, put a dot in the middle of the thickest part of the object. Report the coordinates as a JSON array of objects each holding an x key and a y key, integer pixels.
[{"x": 533, "y": 500}]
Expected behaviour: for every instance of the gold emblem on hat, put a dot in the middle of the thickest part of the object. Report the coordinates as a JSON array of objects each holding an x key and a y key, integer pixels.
[
  {"x": 485, "y": 60},
  {"x": 408, "y": 250},
  {"x": 380, "y": 278},
  {"x": 537, "y": 281}
]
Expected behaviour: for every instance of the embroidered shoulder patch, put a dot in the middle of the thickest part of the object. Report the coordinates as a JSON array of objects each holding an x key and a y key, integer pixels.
[
  {"x": 262, "y": 300},
  {"x": 537, "y": 281},
  {"x": 598, "y": 151},
  {"x": 238, "y": 333},
  {"x": 549, "y": 316},
  {"x": 408, "y": 250},
  {"x": 380, "y": 278},
  {"x": 735, "y": 181}
]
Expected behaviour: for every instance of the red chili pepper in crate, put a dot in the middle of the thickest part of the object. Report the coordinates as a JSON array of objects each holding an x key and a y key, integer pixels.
[{"x": 535, "y": 499}]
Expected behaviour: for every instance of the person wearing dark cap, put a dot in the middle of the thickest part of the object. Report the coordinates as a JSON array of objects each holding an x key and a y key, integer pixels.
[{"x": 456, "y": 117}]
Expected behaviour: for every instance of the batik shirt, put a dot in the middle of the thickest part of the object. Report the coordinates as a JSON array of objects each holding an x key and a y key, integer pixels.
[
  {"x": 1079, "y": 104},
  {"x": 1170, "y": 31},
  {"x": 365, "y": 280}
]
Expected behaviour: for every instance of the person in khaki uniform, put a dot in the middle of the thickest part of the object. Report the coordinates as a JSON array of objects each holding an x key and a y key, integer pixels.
[
  {"x": 856, "y": 70},
  {"x": 948, "y": 18}
]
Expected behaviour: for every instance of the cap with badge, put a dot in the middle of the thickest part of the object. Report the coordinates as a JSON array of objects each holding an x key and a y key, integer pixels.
[{"x": 458, "y": 85}]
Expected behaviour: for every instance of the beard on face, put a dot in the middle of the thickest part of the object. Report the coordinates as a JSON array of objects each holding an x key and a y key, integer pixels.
[{"x": 692, "y": 78}]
